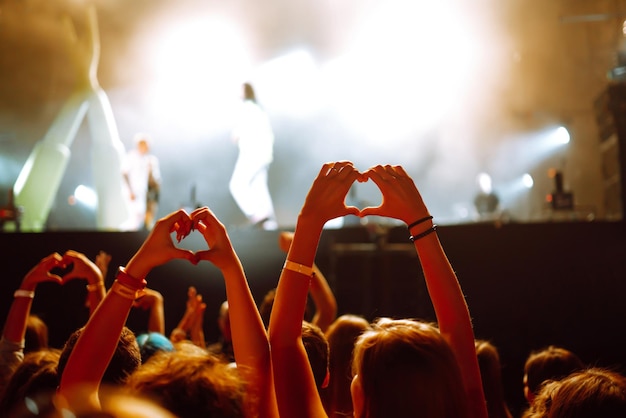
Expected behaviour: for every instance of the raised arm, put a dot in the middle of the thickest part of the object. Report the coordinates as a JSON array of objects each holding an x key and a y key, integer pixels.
[
  {"x": 250, "y": 344},
  {"x": 321, "y": 293},
  {"x": 295, "y": 387},
  {"x": 14, "y": 331},
  {"x": 402, "y": 200},
  {"x": 80, "y": 381},
  {"x": 152, "y": 301}
]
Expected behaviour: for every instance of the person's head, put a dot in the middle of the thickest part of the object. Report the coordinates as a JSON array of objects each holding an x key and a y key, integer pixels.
[
  {"x": 248, "y": 92},
  {"x": 317, "y": 351},
  {"x": 152, "y": 342},
  {"x": 549, "y": 363},
  {"x": 190, "y": 383},
  {"x": 341, "y": 335},
  {"x": 404, "y": 367},
  {"x": 142, "y": 142},
  {"x": 125, "y": 360},
  {"x": 36, "y": 337},
  {"x": 35, "y": 376},
  {"x": 491, "y": 376},
  {"x": 590, "y": 393}
]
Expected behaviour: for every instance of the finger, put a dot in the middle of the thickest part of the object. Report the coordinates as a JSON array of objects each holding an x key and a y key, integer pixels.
[
  {"x": 353, "y": 210},
  {"x": 371, "y": 210},
  {"x": 183, "y": 254}
]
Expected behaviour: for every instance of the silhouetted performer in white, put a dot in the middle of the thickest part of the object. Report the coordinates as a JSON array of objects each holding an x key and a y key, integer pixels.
[
  {"x": 143, "y": 177},
  {"x": 248, "y": 184}
]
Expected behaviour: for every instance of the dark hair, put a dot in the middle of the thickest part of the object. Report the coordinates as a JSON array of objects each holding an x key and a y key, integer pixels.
[
  {"x": 36, "y": 337},
  {"x": 341, "y": 335},
  {"x": 126, "y": 358},
  {"x": 317, "y": 351},
  {"x": 549, "y": 363},
  {"x": 590, "y": 393},
  {"x": 36, "y": 375},
  {"x": 491, "y": 376},
  {"x": 248, "y": 92}
]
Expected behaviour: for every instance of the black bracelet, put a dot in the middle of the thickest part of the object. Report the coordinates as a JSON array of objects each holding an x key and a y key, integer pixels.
[
  {"x": 429, "y": 231},
  {"x": 419, "y": 221}
]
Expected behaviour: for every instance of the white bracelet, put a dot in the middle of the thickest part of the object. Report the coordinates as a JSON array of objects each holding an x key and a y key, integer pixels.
[
  {"x": 95, "y": 286},
  {"x": 298, "y": 268},
  {"x": 21, "y": 293}
]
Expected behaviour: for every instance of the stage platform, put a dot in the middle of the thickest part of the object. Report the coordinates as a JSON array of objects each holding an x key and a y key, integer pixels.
[{"x": 527, "y": 285}]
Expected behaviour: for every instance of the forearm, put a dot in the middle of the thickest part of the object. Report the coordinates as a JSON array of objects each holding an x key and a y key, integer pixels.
[
  {"x": 453, "y": 315},
  {"x": 293, "y": 287},
  {"x": 250, "y": 343},
  {"x": 95, "y": 346},
  {"x": 156, "y": 320},
  {"x": 95, "y": 294},
  {"x": 324, "y": 299},
  {"x": 15, "y": 324}
]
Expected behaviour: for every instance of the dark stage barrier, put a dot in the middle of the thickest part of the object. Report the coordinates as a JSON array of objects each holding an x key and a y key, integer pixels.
[{"x": 527, "y": 285}]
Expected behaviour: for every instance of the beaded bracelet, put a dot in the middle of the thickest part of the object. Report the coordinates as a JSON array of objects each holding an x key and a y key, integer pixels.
[
  {"x": 298, "y": 268},
  {"x": 429, "y": 231},
  {"x": 419, "y": 221},
  {"x": 95, "y": 286}
]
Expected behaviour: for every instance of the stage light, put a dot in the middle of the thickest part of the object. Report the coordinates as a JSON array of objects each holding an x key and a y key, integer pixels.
[
  {"x": 561, "y": 136},
  {"x": 86, "y": 196},
  {"x": 527, "y": 181}
]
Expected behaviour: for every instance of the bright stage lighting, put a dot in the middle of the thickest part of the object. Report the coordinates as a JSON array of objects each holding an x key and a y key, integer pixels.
[
  {"x": 527, "y": 181},
  {"x": 86, "y": 196},
  {"x": 198, "y": 66},
  {"x": 561, "y": 136}
]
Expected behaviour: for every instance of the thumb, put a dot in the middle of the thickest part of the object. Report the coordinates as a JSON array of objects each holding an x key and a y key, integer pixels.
[
  {"x": 353, "y": 210},
  {"x": 371, "y": 210},
  {"x": 184, "y": 254}
]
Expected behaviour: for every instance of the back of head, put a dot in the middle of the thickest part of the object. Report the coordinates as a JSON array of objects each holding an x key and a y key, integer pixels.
[
  {"x": 589, "y": 393},
  {"x": 190, "y": 383},
  {"x": 550, "y": 363},
  {"x": 317, "y": 350},
  {"x": 491, "y": 376},
  {"x": 407, "y": 369},
  {"x": 35, "y": 376},
  {"x": 114, "y": 403},
  {"x": 341, "y": 335},
  {"x": 126, "y": 358},
  {"x": 36, "y": 337}
]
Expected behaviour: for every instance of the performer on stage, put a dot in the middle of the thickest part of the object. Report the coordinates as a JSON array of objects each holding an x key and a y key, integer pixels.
[
  {"x": 248, "y": 184},
  {"x": 143, "y": 178}
]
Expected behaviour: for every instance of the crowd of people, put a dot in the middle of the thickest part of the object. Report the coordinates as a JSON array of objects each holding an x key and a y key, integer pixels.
[{"x": 286, "y": 357}]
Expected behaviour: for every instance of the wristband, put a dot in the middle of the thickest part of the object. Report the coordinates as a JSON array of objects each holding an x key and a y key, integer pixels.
[
  {"x": 21, "y": 293},
  {"x": 129, "y": 281},
  {"x": 298, "y": 268},
  {"x": 95, "y": 286},
  {"x": 429, "y": 231},
  {"x": 127, "y": 292}
]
